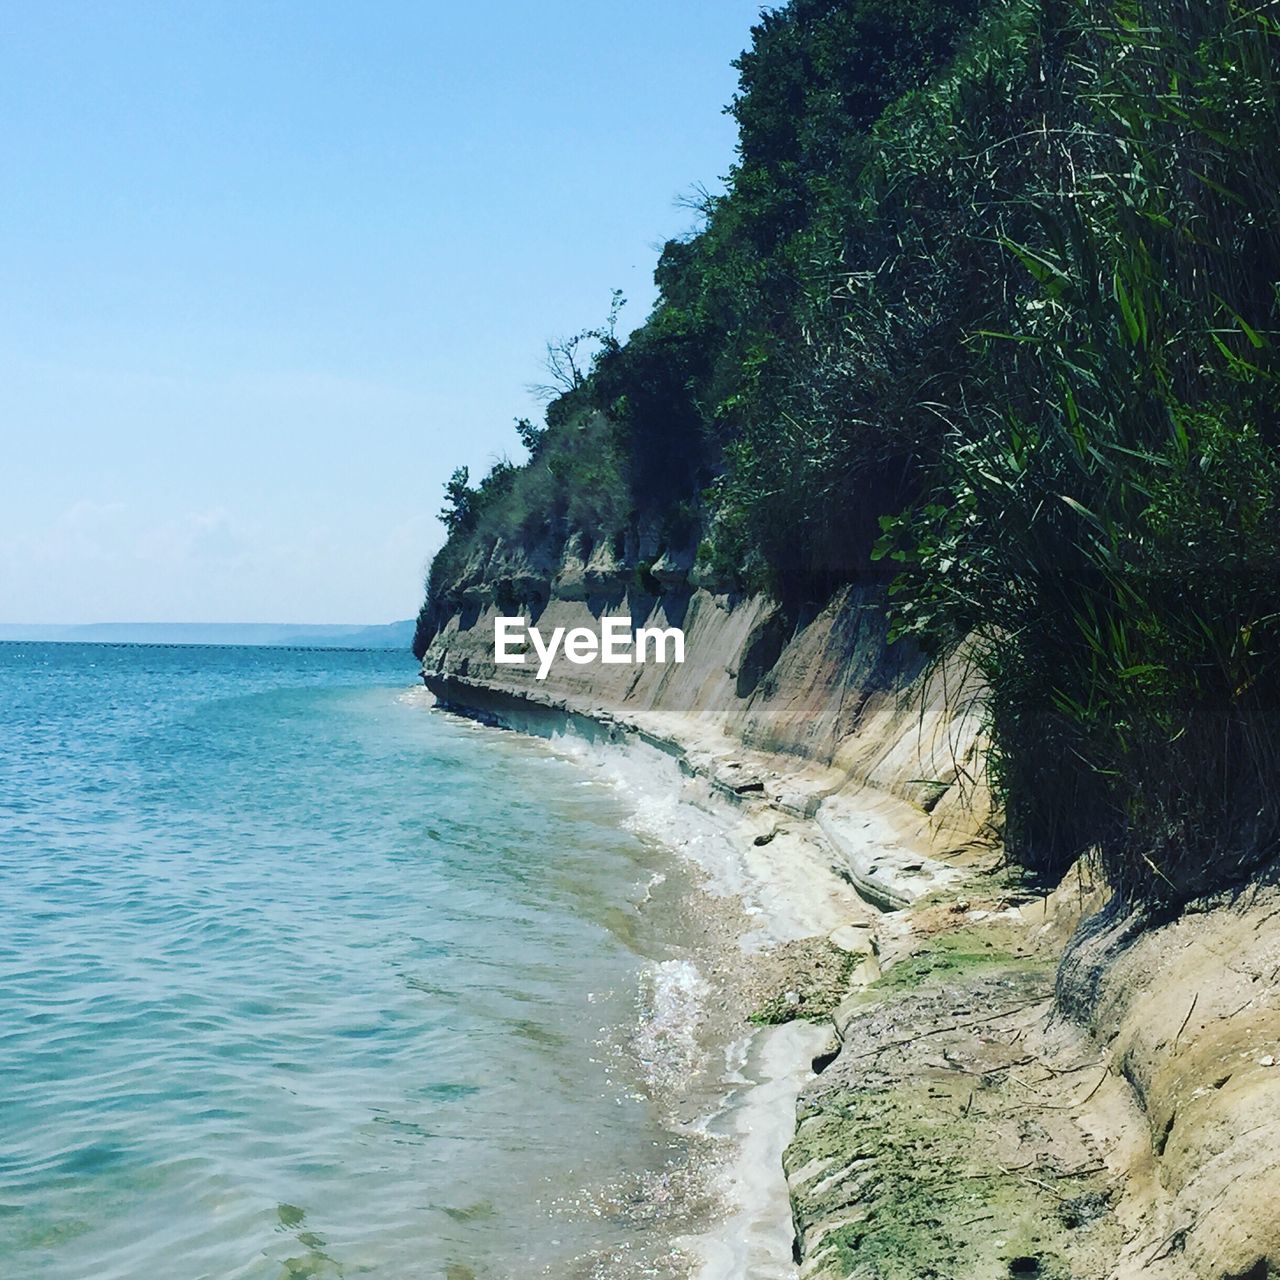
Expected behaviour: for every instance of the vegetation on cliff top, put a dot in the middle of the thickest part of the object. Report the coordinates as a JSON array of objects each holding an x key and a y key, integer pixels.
[{"x": 989, "y": 304}]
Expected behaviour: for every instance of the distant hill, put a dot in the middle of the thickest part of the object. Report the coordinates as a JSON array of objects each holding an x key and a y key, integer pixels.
[{"x": 391, "y": 635}]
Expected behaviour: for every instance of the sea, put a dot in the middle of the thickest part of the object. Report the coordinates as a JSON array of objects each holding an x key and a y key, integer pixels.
[{"x": 301, "y": 976}]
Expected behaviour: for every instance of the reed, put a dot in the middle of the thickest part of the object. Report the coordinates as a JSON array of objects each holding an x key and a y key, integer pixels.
[{"x": 1106, "y": 525}]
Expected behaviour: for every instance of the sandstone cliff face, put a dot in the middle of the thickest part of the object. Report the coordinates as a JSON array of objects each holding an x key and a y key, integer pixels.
[
  {"x": 963, "y": 1128},
  {"x": 821, "y": 688},
  {"x": 1189, "y": 1011}
]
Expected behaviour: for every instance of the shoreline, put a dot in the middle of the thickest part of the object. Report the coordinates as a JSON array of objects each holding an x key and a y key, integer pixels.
[
  {"x": 755, "y": 1237},
  {"x": 779, "y": 867}
]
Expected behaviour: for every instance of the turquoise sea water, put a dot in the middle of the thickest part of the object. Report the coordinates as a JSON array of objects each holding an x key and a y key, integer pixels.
[{"x": 301, "y": 977}]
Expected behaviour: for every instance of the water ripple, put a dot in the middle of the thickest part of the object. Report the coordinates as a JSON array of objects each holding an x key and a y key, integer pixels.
[{"x": 298, "y": 978}]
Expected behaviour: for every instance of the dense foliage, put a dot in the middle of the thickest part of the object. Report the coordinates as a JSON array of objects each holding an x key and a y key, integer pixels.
[
  {"x": 1111, "y": 539},
  {"x": 989, "y": 303}
]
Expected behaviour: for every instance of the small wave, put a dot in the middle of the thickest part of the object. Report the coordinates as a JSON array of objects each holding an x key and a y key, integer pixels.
[
  {"x": 656, "y": 881},
  {"x": 672, "y": 1001},
  {"x": 416, "y": 694}
]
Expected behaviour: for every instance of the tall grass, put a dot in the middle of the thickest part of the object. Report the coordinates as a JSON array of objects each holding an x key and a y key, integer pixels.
[{"x": 1107, "y": 518}]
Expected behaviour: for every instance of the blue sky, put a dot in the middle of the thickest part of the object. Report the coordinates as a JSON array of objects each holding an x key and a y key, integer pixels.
[{"x": 270, "y": 271}]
